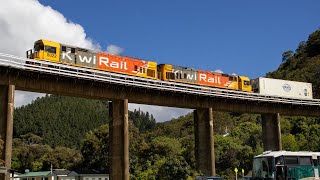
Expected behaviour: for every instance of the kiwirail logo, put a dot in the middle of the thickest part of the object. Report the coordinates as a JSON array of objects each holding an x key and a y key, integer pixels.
[
  {"x": 205, "y": 78},
  {"x": 113, "y": 64}
]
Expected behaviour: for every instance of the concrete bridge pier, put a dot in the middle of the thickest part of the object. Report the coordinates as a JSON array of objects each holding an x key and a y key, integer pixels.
[
  {"x": 271, "y": 132},
  {"x": 204, "y": 142},
  {"x": 119, "y": 140},
  {"x": 6, "y": 126}
]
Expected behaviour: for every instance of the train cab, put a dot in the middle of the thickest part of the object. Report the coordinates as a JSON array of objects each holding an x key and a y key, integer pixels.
[
  {"x": 45, "y": 50},
  {"x": 244, "y": 84}
]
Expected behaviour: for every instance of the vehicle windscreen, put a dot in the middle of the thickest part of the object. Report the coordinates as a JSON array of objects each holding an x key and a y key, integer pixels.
[
  {"x": 38, "y": 47},
  {"x": 263, "y": 167}
]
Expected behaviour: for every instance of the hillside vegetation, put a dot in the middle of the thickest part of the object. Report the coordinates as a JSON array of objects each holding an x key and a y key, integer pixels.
[
  {"x": 303, "y": 64},
  {"x": 60, "y": 121},
  {"x": 73, "y": 133},
  {"x": 64, "y": 121}
]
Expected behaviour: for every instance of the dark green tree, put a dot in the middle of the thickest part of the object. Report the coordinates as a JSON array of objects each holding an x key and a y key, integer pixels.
[
  {"x": 249, "y": 134},
  {"x": 176, "y": 167},
  {"x": 286, "y": 55},
  {"x": 95, "y": 149},
  {"x": 30, "y": 153},
  {"x": 28, "y": 156},
  {"x": 62, "y": 158},
  {"x": 289, "y": 142},
  {"x": 313, "y": 44}
]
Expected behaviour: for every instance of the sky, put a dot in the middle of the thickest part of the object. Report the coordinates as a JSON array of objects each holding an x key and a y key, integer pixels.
[{"x": 241, "y": 37}]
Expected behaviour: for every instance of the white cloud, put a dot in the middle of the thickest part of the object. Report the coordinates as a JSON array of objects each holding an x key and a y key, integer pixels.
[
  {"x": 160, "y": 113},
  {"x": 23, "y": 98},
  {"x": 22, "y": 22},
  {"x": 113, "y": 49},
  {"x": 218, "y": 71}
]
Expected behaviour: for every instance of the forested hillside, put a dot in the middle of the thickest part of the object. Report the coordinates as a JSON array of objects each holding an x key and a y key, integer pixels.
[
  {"x": 60, "y": 121},
  {"x": 303, "y": 64},
  {"x": 158, "y": 150},
  {"x": 64, "y": 121}
]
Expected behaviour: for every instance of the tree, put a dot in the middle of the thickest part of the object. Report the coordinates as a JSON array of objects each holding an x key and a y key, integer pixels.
[
  {"x": 28, "y": 156},
  {"x": 137, "y": 146},
  {"x": 31, "y": 139},
  {"x": 301, "y": 50},
  {"x": 188, "y": 151},
  {"x": 289, "y": 142},
  {"x": 313, "y": 138},
  {"x": 62, "y": 158},
  {"x": 287, "y": 55},
  {"x": 165, "y": 146},
  {"x": 248, "y": 133},
  {"x": 174, "y": 166},
  {"x": 95, "y": 149},
  {"x": 29, "y": 153},
  {"x": 313, "y": 44},
  {"x": 148, "y": 169},
  {"x": 222, "y": 121},
  {"x": 230, "y": 153},
  {"x": 299, "y": 125},
  {"x": 143, "y": 121},
  {"x": 162, "y": 160}
]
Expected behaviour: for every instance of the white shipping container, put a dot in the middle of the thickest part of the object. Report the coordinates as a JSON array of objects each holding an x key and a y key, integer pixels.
[{"x": 283, "y": 88}]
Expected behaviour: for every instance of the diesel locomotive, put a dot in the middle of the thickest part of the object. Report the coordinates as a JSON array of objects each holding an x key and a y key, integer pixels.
[{"x": 45, "y": 50}]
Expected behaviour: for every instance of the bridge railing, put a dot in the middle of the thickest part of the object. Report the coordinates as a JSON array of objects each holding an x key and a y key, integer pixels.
[{"x": 16, "y": 62}]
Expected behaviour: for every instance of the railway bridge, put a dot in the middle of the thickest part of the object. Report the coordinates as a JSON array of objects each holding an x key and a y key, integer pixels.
[{"x": 18, "y": 73}]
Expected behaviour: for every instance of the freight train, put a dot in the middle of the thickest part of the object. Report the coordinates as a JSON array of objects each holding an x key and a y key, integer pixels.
[
  {"x": 55, "y": 52},
  {"x": 75, "y": 56}
]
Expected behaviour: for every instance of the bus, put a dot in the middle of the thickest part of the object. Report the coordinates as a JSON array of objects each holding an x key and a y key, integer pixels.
[{"x": 286, "y": 165}]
